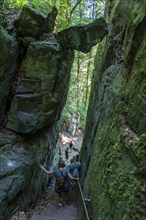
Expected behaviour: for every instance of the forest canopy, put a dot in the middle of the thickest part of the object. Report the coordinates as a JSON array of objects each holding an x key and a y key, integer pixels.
[{"x": 70, "y": 12}]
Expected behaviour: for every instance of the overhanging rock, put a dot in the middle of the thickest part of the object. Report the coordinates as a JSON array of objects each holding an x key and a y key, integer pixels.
[{"x": 83, "y": 37}]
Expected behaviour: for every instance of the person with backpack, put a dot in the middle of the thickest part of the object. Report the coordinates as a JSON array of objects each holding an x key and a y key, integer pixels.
[{"x": 62, "y": 176}]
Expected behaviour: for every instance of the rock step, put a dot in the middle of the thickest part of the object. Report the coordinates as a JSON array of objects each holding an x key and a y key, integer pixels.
[{"x": 54, "y": 212}]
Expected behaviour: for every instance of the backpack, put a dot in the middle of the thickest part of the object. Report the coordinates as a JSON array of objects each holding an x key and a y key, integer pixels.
[{"x": 60, "y": 180}]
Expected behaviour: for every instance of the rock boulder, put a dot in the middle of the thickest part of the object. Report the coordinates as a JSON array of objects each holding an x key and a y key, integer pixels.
[{"x": 36, "y": 19}]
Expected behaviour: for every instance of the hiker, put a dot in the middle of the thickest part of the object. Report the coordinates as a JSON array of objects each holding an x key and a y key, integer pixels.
[
  {"x": 66, "y": 153},
  {"x": 74, "y": 170},
  {"x": 77, "y": 156},
  {"x": 74, "y": 167},
  {"x": 70, "y": 145},
  {"x": 62, "y": 176}
]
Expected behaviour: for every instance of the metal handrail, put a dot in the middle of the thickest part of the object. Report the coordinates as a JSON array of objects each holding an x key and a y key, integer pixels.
[{"x": 85, "y": 208}]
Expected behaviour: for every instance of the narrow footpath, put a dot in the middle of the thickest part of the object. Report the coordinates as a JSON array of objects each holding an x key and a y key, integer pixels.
[{"x": 47, "y": 206}]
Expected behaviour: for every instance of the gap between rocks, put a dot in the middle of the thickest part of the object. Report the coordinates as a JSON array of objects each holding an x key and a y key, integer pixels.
[{"x": 47, "y": 206}]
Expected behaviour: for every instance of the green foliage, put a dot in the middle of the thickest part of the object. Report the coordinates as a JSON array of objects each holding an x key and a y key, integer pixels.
[
  {"x": 16, "y": 4},
  {"x": 81, "y": 75},
  {"x": 76, "y": 102}
]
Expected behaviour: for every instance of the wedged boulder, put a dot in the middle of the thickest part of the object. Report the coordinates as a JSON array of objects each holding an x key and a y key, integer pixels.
[
  {"x": 83, "y": 37},
  {"x": 9, "y": 62},
  {"x": 36, "y": 19},
  {"x": 42, "y": 91}
]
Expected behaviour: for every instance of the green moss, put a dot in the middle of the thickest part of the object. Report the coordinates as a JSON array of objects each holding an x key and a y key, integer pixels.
[
  {"x": 43, "y": 8},
  {"x": 117, "y": 167},
  {"x": 113, "y": 180},
  {"x": 143, "y": 138},
  {"x": 138, "y": 11},
  {"x": 136, "y": 92}
]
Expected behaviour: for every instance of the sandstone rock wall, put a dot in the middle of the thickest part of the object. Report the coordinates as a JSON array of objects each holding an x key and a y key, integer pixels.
[{"x": 114, "y": 147}]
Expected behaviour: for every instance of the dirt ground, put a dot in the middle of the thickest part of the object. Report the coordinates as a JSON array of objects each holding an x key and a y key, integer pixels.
[
  {"x": 47, "y": 203},
  {"x": 63, "y": 143}
]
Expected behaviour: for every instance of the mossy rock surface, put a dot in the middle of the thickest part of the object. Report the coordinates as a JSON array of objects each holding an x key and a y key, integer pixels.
[
  {"x": 36, "y": 19},
  {"x": 21, "y": 177},
  {"x": 38, "y": 99},
  {"x": 9, "y": 62},
  {"x": 114, "y": 147},
  {"x": 83, "y": 37}
]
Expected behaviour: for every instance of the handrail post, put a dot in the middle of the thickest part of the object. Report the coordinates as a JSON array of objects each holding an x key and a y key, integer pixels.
[{"x": 85, "y": 208}]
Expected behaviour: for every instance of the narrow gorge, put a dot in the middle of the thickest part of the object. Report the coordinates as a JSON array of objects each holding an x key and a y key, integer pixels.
[{"x": 35, "y": 77}]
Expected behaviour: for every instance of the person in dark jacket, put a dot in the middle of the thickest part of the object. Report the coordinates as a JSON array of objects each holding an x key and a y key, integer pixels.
[
  {"x": 70, "y": 145},
  {"x": 66, "y": 153}
]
